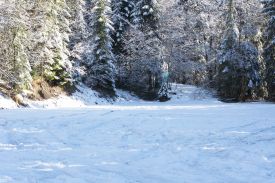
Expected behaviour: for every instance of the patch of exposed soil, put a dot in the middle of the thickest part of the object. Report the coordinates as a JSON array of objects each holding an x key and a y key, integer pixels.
[{"x": 43, "y": 90}]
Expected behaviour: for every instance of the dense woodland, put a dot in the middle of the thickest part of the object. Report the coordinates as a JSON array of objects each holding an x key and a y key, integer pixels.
[{"x": 138, "y": 45}]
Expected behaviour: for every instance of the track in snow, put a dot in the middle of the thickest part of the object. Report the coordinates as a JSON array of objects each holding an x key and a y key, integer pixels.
[
  {"x": 146, "y": 144},
  {"x": 186, "y": 140}
]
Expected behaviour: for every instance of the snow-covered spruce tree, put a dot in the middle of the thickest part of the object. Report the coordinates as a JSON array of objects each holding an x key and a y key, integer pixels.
[
  {"x": 121, "y": 17},
  {"x": 146, "y": 14},
  {"x": 269, "y": 49},
  {"x": 238, "y": 76},
  {"x": 101, "y": 71},
  {"x": 147, "y": 17},
  {"x": 15, "y": 66},
  {"x": 140, "y": 66},
  {"x": 58, "y": 70},
  {"x": 22, "y": 68},
  {"x": 39, "y": 44},
  {"x": 79, "y": 38},
  {"x": 250, "y": 23},
  {"x": 7, "y": 24},
  {"x": 48, "y": 37},
  {"x": 186, "y": 26},
  {"x": 77, "y": 11}
]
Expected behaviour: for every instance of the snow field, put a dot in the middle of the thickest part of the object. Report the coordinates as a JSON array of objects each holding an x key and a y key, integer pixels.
[{"x": 186, "y": 140}]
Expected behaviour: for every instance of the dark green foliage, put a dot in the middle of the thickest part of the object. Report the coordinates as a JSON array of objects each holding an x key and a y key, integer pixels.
[
  {"x": 239, "y": 71},
  {"x": 269, "y": 50},
  {"x": 57, "y": 74},
  {"x": 121, "y": 13},
  {"x": 143, "y": 78},
  {"x": 146, "y": 14},
  {"x": 238, "y": 77},
  {"x": 101, "y": 71}
]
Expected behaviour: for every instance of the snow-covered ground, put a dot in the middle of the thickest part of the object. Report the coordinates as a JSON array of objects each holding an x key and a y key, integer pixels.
[
  {"x": 84, "y": 97},
  {"x": 191, "y": 139},
  {"x": 7, "y": 103},
  {"x": 87, "y": 98}
]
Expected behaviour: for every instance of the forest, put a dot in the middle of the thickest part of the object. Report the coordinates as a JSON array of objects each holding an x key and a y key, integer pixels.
[{"x": 50, "y": 46}]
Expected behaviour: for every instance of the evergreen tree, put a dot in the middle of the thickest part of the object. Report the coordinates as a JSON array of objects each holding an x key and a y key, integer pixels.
[
  {"x": 146, "y": 14},
  {"x": 15, "y": 66},
  {"x": 78, "y": 25},
  {"x": 101, "y": 72},
  {"x": 48, "y": 40},
  {"x": 140, "y": 68},
  {"x": 121, "y": 13},
  {"x": 58, "y": 69},
  {"x": 78, "y": 45},
  {"x": 269, "y": 50},
  {"x": 22, "y": 68},
  {"x": 239, "y": 71}
]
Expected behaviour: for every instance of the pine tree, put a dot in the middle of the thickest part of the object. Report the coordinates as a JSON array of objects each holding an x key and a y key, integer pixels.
[
  {"x": 146, "y": 14},
  {"x": 78, "y": 25},
  {"x": 239, "y": 71},
  {"x": 58, "y": 69},
  {"x": 140, "y": 66},
  {"x": 269, "y": 50},
  {"x": 22, "y": 68},
  {"x": 101, "y": 72},
  {"x": 78, "y": 45},
  {"x": 15, "y": 66},
  {"x": 121, "y": 16}
]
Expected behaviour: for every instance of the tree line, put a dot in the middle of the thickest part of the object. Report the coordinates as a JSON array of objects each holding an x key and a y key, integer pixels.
[{"x": 140, "y": 46}]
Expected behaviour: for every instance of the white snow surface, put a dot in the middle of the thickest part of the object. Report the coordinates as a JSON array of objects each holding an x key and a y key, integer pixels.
[
  {"x": 85, "y": 97},
  {"x": 191, "y": 139},
  {"x": 6, "y": 103}
]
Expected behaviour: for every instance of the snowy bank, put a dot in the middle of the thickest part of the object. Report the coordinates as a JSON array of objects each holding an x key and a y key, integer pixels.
[
  {"x": 84, "y": 97},
  {"x": 6, "y": 103}
]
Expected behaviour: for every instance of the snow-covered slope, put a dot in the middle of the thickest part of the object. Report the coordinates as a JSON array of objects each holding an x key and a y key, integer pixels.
[
  {"x": 190, "y": 94},
  {"x": 7, "y": 103},
  {"x": 85, "y": 97}
]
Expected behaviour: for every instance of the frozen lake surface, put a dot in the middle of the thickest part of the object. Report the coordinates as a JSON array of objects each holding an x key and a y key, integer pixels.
[{"x": 140, "y": 142}]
